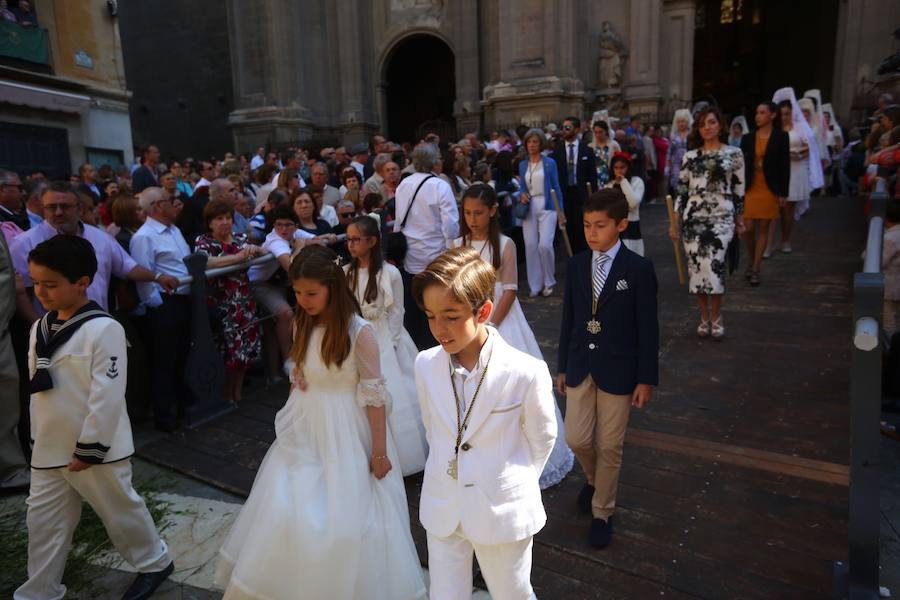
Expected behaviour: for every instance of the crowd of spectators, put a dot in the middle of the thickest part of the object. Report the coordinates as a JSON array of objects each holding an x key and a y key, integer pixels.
[{"x": 156, "y": 212}]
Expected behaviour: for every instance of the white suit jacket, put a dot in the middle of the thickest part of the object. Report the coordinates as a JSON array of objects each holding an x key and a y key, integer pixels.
[
  {"x": 84, "y": 413},
  {"x": 511, "y": 432}
]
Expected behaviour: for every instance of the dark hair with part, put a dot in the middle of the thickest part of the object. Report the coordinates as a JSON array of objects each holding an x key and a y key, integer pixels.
[
  {"x": 321, "y": 264},
  {"x": 602, "y": 125},
  {"x": 368, "y": 227},
  {"x": 71, "y": 256},
  {"x": 695, "y": 140},
  {"x": 216, "y": 208},
  {"x": 283, "y": 212},
  {"x": 773, "y": 108},
  {"x": 125, "y": 212},
  {"x": 608, "y": 200},
  {"x": 485, "y": 194}
]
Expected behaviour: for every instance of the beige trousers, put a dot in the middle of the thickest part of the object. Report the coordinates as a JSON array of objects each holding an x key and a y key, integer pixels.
[{"x": 595, "y": 431}]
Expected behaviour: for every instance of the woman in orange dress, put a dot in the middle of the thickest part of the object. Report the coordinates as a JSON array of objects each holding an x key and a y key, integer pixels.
[{"x": 767, "y": 165}]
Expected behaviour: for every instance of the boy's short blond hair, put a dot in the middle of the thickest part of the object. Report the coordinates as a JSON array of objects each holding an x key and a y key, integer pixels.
[{"x": 463, "y": 273}]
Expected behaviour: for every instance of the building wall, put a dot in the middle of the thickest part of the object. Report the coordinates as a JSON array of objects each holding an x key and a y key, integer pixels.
[
  {"x": 516, "y": 61},
  {"x": 864, "y": 39},
  {"x": 86, "y": 60},
  {"x": 178, "y": 66}
]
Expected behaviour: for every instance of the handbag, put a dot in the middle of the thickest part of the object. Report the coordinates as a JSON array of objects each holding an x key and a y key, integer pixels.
[
  {"x": 395, "y": 245},
  {"x": 521, "y": 210}
]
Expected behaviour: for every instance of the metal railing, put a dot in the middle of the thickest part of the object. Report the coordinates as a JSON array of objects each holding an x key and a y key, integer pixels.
[
  {"x": 858, "y": 579},
  {"x": 204, "y": 368}
]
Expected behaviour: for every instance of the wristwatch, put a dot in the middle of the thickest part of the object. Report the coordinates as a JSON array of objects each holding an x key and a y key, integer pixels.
[{"x": 158, "y": 276}]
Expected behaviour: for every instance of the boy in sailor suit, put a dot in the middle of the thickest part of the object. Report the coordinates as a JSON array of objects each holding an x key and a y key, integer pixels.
[
  {"x": 80, "y": 428},
  {"x": 490, "y": 420},
  {"x": 608, "y": 352}
]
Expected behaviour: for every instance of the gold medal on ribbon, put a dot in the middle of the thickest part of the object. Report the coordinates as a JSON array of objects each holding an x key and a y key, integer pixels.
[{"x": 593, "y": 326}]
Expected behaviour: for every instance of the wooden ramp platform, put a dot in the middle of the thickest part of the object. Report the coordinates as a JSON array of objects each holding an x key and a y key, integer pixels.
[{"x": 734, "y": 482}]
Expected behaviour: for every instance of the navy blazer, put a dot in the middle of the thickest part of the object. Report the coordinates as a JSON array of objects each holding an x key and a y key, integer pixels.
[
  {"x": 626, "y": 351},
  {"x": 585, "y": 166}
]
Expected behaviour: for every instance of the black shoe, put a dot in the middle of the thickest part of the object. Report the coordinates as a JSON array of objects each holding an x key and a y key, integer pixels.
[
  {"x": 601, "y": 533},
  {"x": 585, "y": 496},
  {"x": 146, "y": 583}
]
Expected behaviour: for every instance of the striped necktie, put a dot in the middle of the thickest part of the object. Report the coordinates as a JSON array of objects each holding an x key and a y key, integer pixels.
[
  {"x": 598, "y": 277},
  {"x": 572, "y": 174}
]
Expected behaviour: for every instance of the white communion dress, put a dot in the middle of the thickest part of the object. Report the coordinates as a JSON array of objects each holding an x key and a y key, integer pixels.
[
  {"x": 398, "y": 359},
  {"x": 318, "y": 524},
  {"x": 516, "y": 332}
]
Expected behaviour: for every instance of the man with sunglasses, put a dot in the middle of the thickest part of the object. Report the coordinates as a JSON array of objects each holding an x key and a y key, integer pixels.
[
  {"x": 11, "y": 209},
  {"x": 575, "y": 162}
]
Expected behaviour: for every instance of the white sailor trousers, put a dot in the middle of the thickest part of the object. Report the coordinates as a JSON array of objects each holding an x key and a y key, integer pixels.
[{"x": 54, "y": 508}]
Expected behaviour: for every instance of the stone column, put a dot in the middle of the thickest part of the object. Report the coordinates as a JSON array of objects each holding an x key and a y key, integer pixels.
[
  {"x": 358, "y": 118},
  {"x": 537, "y": 81},
  {"x": 864, "y": 39},
  {"x": 467, "y": 106},
  {"x": 642, "y": 90},
  {"x": 264, "y": 59},
  {"x": 677, "y": 53}
]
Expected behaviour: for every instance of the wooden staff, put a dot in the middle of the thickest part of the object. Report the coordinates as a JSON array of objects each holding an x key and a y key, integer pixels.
[
  {"x": 673, "y": 226},
  {"x": 561, "y": 226}
]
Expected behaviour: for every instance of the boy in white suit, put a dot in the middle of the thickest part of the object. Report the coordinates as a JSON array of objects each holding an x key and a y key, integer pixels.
[
  {"x": 80, "y": 428},
  {"x": 490, "y": 420}
]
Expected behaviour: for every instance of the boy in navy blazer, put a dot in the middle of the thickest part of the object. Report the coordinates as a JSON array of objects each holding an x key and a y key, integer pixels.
[{"x": 608, "y": 352}]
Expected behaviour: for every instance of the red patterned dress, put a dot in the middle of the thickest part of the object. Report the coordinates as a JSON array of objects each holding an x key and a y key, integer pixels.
[{"x": 232, "y": 307}]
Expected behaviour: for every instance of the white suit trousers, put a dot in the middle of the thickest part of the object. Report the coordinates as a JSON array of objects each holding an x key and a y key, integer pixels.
[
  {"x": 538, "y": 231},
  {"x": 54, "y": 508},
  {"x": 506, "y": 568}
]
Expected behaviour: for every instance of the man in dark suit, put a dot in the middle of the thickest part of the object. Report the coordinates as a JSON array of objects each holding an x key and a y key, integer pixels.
[
  {"x": 608, "y": 352},
  {"x": 575, "y": 162},
  {"x": 11, "y": 208},
  {"x": 147, "y": 174},
  {"x": 88, "y": 185}
]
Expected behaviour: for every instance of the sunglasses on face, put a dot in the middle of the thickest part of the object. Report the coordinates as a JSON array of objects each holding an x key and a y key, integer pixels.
[
  {"x": 568, "y": 127},
  {"x": 345, "y": 215}
]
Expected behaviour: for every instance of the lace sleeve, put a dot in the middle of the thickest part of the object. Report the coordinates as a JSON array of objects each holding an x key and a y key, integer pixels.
[
  {"x": 371, "y": 390},
  {"x": 508, "y": 272}
]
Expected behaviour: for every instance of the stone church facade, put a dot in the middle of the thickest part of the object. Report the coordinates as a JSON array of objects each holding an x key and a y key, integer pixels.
[{"x": 343, "y": 69}]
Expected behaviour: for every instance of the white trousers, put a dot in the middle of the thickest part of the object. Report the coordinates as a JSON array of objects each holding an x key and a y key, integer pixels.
[
  {"x": 54, "y": 508},
  {"x": 538, "y": 231},
  {"x": 506, "y": 568}
]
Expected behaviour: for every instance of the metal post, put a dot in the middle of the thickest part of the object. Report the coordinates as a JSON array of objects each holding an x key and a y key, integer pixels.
[
  {"x": 858, "y": 580},
  {"x": 204, "y": 369}
]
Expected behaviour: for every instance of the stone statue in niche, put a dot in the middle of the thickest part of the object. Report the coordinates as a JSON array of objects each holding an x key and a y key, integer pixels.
[{"x": 612, "y": 52}]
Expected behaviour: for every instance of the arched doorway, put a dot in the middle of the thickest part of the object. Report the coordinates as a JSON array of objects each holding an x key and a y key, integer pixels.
[{"x": 420, "y": 88}]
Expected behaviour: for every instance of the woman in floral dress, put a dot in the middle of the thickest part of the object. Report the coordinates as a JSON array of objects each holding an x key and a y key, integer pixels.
[
  {"x": 709, "y": 205},
  {"x": 229, "y": 298}
]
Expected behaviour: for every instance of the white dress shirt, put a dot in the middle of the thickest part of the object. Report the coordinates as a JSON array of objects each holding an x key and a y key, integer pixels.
[
  {"x": 161, "y": 249},
  {"x": 433, "y": 222},
  {"x": 111, "y": 259},
  {"x": 256, "y": 162}
]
